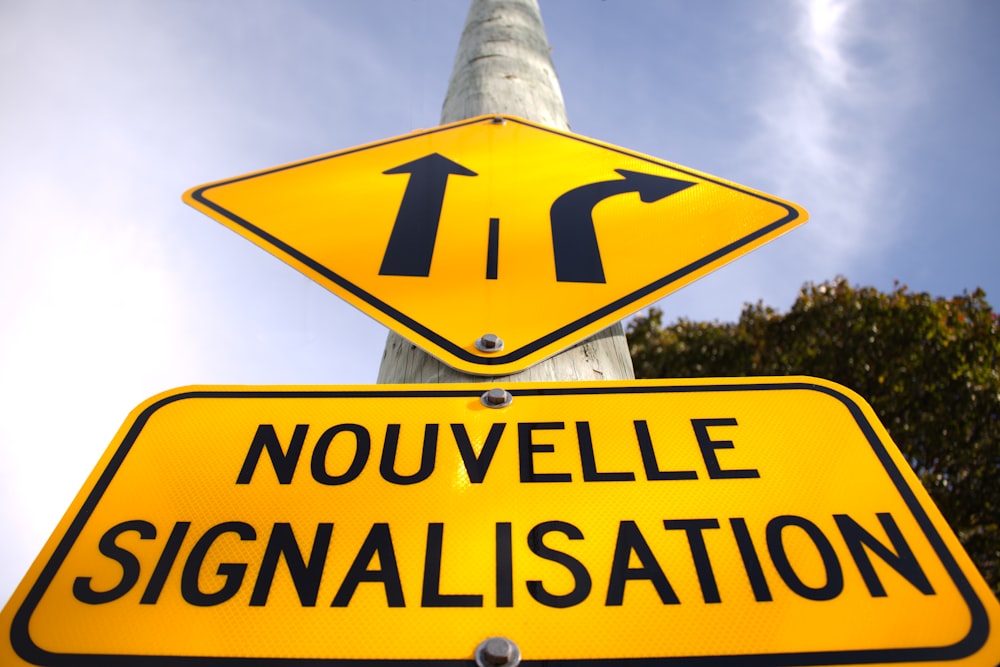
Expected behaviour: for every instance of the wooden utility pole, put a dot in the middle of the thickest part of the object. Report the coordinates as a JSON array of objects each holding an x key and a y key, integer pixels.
[{"x": 503, "y": 66}]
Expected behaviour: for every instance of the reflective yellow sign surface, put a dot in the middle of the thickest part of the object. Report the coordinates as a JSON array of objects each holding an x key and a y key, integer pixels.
[
  {"x": 755, "y": 521},
  {"x": 538, "y": 236}
]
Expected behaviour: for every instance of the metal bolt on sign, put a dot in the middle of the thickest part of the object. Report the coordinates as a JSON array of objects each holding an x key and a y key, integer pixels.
[
  {"x": 490, "y": 342},
  {"x": 496, "y": 398},
  {"x": 497, "y": 652}
]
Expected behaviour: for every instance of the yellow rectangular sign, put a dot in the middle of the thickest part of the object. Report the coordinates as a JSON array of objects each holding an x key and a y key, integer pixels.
[{"x": 739, "y": 521}]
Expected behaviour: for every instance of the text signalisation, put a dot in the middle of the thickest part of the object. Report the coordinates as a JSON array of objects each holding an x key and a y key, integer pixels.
[
  {"x": 496, "y": 225},
  {"x": 713, "y": 522}
]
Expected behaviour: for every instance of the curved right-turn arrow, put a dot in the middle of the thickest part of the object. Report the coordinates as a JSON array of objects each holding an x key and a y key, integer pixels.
[{"x": 574, "y": 240}]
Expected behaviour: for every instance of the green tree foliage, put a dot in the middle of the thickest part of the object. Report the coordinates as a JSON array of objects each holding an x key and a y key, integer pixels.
[{"x": 930, "y": 367}]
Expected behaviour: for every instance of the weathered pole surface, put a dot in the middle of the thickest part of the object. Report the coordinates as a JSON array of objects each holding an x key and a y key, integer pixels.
[{"x": 503, "y": 66}]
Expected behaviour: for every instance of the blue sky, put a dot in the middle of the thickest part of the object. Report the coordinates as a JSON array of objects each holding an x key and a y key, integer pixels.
[{"x": 880, "y": 118}]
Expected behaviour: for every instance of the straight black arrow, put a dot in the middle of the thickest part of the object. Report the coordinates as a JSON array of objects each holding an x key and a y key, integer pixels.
[
  {"x": 574, "y": 240},
  {"x": 411, "y": 243}
]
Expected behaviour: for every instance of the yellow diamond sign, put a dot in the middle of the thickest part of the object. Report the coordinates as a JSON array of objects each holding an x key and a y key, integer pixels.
[
  {"x": 763, "y": 521},
  {"x": 499, "y": 226}
]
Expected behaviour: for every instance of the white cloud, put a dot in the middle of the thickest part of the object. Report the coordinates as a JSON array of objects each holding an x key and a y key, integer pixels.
[
  {"x": 822, "y": 32},
  {"x": 827, "y": 113}
]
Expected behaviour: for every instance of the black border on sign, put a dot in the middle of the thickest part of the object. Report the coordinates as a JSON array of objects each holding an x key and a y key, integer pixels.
[
  {"x": 974, "y": 640},
  {"x": 201, "y": 196}
]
